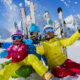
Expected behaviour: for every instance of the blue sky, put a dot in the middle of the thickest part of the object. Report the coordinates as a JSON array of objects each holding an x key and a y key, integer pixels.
[{"x": 10, "y": 9}]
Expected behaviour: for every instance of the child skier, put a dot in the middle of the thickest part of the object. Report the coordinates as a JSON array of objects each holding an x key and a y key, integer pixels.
[
  {"x": 18, "y": 52},
  {"x": 34, "y": 35},
  {"x": 59, "y": 64}
]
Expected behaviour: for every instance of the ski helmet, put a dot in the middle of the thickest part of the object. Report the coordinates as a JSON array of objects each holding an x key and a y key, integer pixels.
[
  {"x": 33, "y": 28},
  {"x": 47, "y": 29},
  {"x": 18, "y": 32}
]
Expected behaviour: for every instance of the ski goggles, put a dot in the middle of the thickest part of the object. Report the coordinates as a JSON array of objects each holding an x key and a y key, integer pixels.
[
  {"x": 34, "y": 33},
  {"x": 16, "y": 37},
  {"x": 49, "y": 29}
]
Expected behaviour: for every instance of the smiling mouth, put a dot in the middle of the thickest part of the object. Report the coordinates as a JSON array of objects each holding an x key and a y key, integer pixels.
[{"x": 16, "y": 41}]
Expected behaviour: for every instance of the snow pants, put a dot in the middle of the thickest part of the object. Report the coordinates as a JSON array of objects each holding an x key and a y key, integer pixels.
[
  {"x": 31, "y": 59},
  {"x": 69, "y": 68}
]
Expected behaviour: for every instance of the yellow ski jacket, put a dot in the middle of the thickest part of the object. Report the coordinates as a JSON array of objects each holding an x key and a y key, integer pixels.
[{"x": 52, "y": 49}]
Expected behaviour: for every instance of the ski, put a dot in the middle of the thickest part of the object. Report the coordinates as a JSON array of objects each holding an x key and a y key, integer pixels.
[
  {"x": 62, "y": 25},
  {"x": 47, "y": 18},
  {"x": 15, "y": 26},
  {"x": 32, "y": 14},
  {"x": 49, "y": 21},
  {"x": 23, "y": 16}
]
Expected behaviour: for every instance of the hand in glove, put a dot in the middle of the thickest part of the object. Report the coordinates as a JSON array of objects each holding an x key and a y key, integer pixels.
[
  {"x": 28, "y": 41},
  {"x": 79, "y": 30},
  {"x": 0, "y": 44},
  {"x": 3, "y": 54}
]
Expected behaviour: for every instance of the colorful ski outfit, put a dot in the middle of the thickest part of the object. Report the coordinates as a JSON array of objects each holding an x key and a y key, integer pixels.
[
  {"x": 19, "y": 56},
  {"x": 56, "y": 59},
  {"x": 31, "y": 49}
]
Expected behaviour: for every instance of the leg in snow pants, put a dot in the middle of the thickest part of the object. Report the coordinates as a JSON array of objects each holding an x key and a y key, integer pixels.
[
  {"x": 31, "y": 59},
  {"x": 69, "y": 68}
]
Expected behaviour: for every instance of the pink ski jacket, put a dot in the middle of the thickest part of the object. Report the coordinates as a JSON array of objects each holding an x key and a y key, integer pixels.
[{"x": 17, "y": 52}]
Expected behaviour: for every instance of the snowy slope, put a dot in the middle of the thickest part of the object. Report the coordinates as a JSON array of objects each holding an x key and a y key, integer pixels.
[
  {"x": 4, "y": 33},
  {"x": 72, "y": 24},
  {"x": 74, "y": 51}
]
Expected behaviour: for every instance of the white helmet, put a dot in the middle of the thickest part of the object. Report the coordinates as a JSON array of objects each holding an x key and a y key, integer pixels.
[{"x": 48, "y": 28}]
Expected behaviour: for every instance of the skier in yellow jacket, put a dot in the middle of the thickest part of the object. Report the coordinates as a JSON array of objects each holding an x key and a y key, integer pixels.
[{"x": 59, "y": 64}]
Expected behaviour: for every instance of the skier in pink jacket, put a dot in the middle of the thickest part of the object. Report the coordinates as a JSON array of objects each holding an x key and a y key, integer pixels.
[{"x": 18, "y": 52}]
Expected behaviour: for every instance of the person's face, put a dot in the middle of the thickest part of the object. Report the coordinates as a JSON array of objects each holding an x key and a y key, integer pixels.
[
  {"x": 17, "y": 39},
  {"x": 34, "y": 35},
  {"x": 49, "y": 35}
]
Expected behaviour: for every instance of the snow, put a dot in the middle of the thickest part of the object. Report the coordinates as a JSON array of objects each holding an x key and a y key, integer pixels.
[
  {"x": 4, "y": 33},
  {"x": 73, "y": 21},
  {"x": 20, "y": 4},
  {"x": 74, "y": 52},
  {"x": 27, "y": 3},
  {"x": 76, "y": 2},
  {"x": 11, "y": 15}
]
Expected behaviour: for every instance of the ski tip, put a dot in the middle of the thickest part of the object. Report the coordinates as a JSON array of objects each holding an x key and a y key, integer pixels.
[{"x": 59, "y": 9}]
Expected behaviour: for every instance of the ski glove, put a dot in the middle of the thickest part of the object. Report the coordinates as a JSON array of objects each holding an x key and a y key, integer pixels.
[
  {"x": 5, "y": 45},
  {"x": 28, "y": 41},
  {"x": 79, "y": 30},
  {"x": 3, "y": 54},
  {"x": 0, "y": 45}
]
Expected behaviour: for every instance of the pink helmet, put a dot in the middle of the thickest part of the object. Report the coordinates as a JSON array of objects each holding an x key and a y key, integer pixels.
[{"x": 19, "y": 32}]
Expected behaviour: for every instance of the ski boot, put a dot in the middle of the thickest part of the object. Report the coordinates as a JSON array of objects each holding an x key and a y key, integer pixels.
[{"x": 48, "y": 76}]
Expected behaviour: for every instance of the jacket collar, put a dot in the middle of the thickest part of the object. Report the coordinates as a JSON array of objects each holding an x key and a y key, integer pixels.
[{"x": 53, "y": 39}]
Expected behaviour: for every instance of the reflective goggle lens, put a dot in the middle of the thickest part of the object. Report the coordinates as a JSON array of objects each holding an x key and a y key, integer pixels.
[
  {"x": 18, "y": 37},
  {"x": 49, "y": 29}
]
